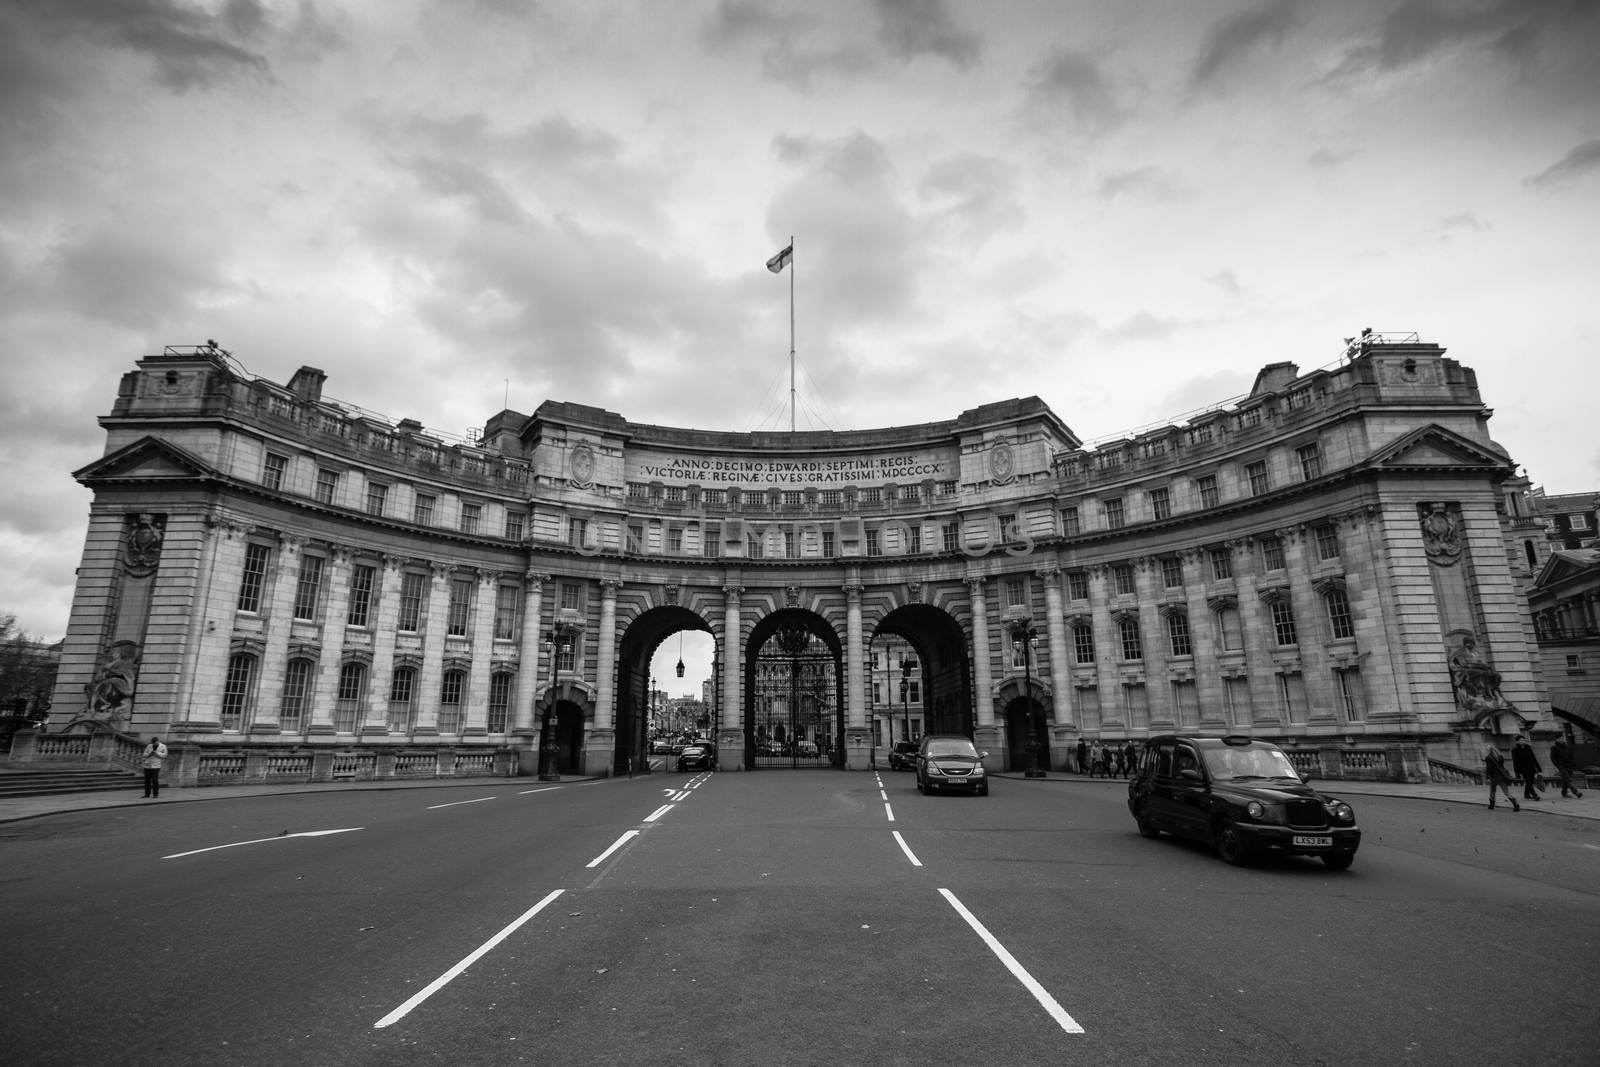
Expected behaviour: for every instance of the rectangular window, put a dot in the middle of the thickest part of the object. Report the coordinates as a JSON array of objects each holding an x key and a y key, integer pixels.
[
  {"x": 578, "y": 532},
  {"x": 256, "y": 558},
  {"x": 377, "y": 498},
  {"x": 1272, "y": 552},
  {"x": 571, "y": 596},
  {"x": 1172, "y": 572},
  {"x": 1016, "y": 592},
  {"x": 1178, "y": 634},
  {"x": 1221, "y": 564},
  {"x": 499, "y": 703},
  {"x": 1071, "y": 526},
  {"x": 1328, "y": 541},
  {"x": 347, "y": 706},
  {"x": 236, "y": 691},
  {"x": 516, "y": 524},
  {"x": 1352, "y": 696},
  {"x": 1023, "y": 651},
  {"x": 1083, "y": 643},
  {"x": 1088, "y": 707},
  {"x": 1136, "y": 705},
  {"x": 308, "y": 589},
  {"x": 1292, "y": 697},
  {"x": 327, "y": 485},
  {"x": 450, "y": 702},
  {"x": 675, "y": 540},
  {"x": 1578, "y": 521},
  {"x": 1340, "y": 624},
  {"x": 828, "y": 544},
  {"x": 950, "y": 536},
  {"x": 567, "y": 654},
  {"x": 1236, "y": 700},
  {"x": 506, "y": 599},
  {"x": 1078, "y": 585},
  {"x": 1160, "y": 503},
  {"x": 872, "y": 543},
  {"x": 1283, "y": 630},
  {"x": 296, "y": 695},
  {"x": 460, "y": 610},
  {"x": 400, "y": 691},
  {"x": 1122, "y": 579},
  {"x": 1185, "y": 704},
  {"x": 1132, "y": 641},
  {"x": 1310, "y": 461},
  {"x": 272, "y": 472},
  {"x": 1114, "y": 517},
  {"x": 1230, "y": 634},
  {"x": 360, "y": 610},
  {"x": 1257, "y": 473},
  {"x": 422, "y": 510},
  {"x": 471, "y": 518},
  {"x": 1207, "y": 484},
  {"x": 413, "y": 590}
]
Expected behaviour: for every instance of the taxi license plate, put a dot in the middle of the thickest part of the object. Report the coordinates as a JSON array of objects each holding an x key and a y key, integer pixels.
[{"x": 1307, "y": 841}]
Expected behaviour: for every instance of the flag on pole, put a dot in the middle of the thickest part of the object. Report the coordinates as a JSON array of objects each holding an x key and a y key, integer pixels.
[{"x": 781, "y": 260}]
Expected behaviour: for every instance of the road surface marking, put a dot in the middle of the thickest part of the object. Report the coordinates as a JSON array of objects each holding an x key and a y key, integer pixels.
[
  {"x": 444, "y": 979},
  {"x": 906, "y": 849},
  {"x": 888, "y": 809},
  {"x": 262, "y": 841},
  {"x": 542, "y": 789},
  {"x": 458, "y": 803},
  {"x": 662, "y": 810},
  {"x": 1042, "y": 995},
  {"x": 618, "y": 843}
]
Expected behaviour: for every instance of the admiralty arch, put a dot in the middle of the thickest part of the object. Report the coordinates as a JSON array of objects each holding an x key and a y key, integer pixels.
[{"x": 288, "y": 586}]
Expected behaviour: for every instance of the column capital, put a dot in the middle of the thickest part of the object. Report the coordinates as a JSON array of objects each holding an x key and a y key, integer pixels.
[
  {"x": 609, "y": 587},
  {"x": 1049, "y": 572},
  {"x": 536, "y": 577},
  {"x": 853, "y": 591},
  {"x": 441, "y": 571},
  {"x": 975, "y": 584},
  {"x": 732, "y": 592}
]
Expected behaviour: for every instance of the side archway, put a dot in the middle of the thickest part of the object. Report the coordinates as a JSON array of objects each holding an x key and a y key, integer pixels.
[{"x": 639, "y": 643}]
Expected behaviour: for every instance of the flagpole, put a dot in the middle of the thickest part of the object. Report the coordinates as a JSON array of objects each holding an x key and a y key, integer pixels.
[{"x": 791, "y": 332}]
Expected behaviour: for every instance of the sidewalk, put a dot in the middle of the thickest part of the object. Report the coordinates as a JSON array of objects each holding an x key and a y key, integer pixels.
[{"x": 15, "y": 808}]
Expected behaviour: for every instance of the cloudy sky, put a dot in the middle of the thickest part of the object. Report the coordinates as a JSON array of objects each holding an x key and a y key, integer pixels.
[{"x": 1125, "y": 208}]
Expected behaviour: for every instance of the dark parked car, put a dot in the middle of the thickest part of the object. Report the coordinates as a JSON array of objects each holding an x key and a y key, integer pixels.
[
  {"x": 950, "y": 761},
  {"x": 1242, "y": 796},
  {"x": 903, "y": 756},
  {"x": 697, "y": 758}
]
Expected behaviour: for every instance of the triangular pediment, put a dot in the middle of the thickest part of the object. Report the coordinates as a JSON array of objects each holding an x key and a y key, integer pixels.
[
  {"x": 147, "y": 459},
  {"x": 1433, "y": 447},
  {"x": 1564, "y": 564}
]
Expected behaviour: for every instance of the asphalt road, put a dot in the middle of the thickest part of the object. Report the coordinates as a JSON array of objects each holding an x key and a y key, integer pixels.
[{"x": 787, "y": 917}]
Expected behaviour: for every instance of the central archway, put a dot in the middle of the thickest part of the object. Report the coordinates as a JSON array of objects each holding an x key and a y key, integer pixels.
[
  {"x": 794, "y": 707},
  {"x": 639, "y": 643},
  {"x": 943, "y": 667}
]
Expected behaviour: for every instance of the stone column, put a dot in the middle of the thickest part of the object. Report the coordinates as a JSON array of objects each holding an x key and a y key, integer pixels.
[
  {"x": 425, "y": 697},
  {"x": 857, "y": 734},
  {"x": 221, "y": 555},
  {"x": 475, "y": 701},
  {"x": 325, "y": 690},
  {"x": 986, "y": 734},
  {"x": 524, "y": 721},
  {"x": 599, "y": 755},
  {"x": 373, "y": 716},
  {"x": 280, "y": 620},
  {"x": 1056, "y": 635},
  {"x": 730, "y": 747}
]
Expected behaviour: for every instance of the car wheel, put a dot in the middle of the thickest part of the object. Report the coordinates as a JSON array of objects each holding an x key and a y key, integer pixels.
[
  {"x": 1231, "y": 844},
  {"x": 1146, "y": 827},
  {"x": 983, "y": 790},
  {"x": 1339, "y": 861}
]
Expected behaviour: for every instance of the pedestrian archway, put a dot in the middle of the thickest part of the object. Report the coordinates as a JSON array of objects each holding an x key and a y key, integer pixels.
[
  {"x": 794, "y": 707},
  {"x": 634, "y": 684}
]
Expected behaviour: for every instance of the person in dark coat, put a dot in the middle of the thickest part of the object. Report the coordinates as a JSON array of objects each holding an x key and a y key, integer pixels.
[
  {"x": 1561, "y": 760},
  {"x": 1526, "y": 764},
  {"x": 1083, "y": 756},
  {"x": 1131, "y": 751},
  {"x": 1494, "y": 769}
]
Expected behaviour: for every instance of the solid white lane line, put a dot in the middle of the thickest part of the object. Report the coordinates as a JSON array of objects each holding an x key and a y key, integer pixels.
[
  {"x": 262, "y": 841},
  {"x": 440, "y": 982},
  {"x": 541, "y": 789},
  {"x": 618, "y": 843},
  {"x": 888, "y": 809},
  {"x": 906, "y": 849},
  {"x": 458, "y": 803},
  {"x": 1042, "y": 995},
  {"x": 662, "y": 810}
]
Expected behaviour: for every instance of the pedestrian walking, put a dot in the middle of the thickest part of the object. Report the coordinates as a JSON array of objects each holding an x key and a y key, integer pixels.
[
  {"x": 1561, "y": 760},
  {"x": 1131, "y": 751},
  {"x": 1494, "y": 769},
  {"x": 1083, "y": 756},
  {"x": 1526, "y": 764},
  {"x": 154, "y": 753}
]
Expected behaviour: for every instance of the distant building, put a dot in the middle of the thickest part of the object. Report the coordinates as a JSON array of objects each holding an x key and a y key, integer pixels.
[
  {"x": 284, "y": 584},
  {"x": 1570, "y": 518},
  {"x": 1565, "y": 604}
]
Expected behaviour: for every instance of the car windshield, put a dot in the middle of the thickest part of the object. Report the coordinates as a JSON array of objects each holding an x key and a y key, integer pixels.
[
  {"x": 952, "y": 748},
  {"x": 1236, "y": 763}
]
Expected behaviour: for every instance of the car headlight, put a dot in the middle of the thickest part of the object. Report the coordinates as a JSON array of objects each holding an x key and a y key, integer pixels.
[
  {"x": 977, "y": 772},
  {"x": 1255, "y": 809},
  {"x": 933, "y": 768},
  {"x": 1341, "y": 811}
]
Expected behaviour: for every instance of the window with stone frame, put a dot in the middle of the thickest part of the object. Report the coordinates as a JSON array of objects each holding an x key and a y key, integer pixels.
[
  {"x": 1178, "y": 638},
  {"x": 347, "y": 705},
  {"x": 308, "y": 587},
  {"x": 507, "y": 607},
  {"x": 1071, "y": 525},
  {"x": 1172, "y": 572},
  {"x": 1272, "y": 558},
  {"x": 377, "y": 498},
  {"x": 1310, "y": 457},
  {"x": 296, "y": 695},
  {"x": 516, "y": 525},
  {"x": 450, "y": 688},
  {"x": 1256, "y": 472},
  {"x": 422, "y": 509},
  {"x": 1078, "y": 584},
  {"x": 499, "y": 702},
  {"x": 1229, "y": 627},
  {"x": 1082, "y": 643},
  {"x": 327, "y": 485},
  {"x": 1351, "y": 692},
  {"x": 1132, "y": 641},
  {"x": 1283, "y": 628},
  {"x": 238, "y": 692},
  {"x": 1221, "y": 564},
  {"x": 1209, "y": 493},
  {"x": 471, "y": 518},
  {"x": 358, "y": 611},
  {"x": 1236, "y": 700},
  {"x": 1341, "y": 624},
  {"x": 1161, "y": 503},
  {"x": 273, "y": 469},
  {"x": 1327, "y": 538},
  {"x": 1114, "y": 513},
  {"x": 459, "y": 613},
  {"x": 413, "y": 594},
  {"x": 1122, "y": 579},
  {"x": 257, "y": 558},
  {"x": 402, "y": 691}
]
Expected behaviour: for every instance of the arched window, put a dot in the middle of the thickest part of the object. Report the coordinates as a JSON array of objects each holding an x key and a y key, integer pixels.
[
  {"x": 499, "y": 702},
  {"x": 347, "y": 706},
  {"x": 238, "y": 692},
  {"x": 402, "y": 687},
  {"x": 450, "y": 702},
  {"x": 296, "y": 696}
]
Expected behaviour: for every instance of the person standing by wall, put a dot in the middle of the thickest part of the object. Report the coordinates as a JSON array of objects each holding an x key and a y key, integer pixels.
[
  {"x": 154, "y": 753},
  {"x": 1494, "y": 769},
  {"x": 1083, "y": 756},
  {"x": 1526, "y": 764},
  {"x": 1561, "y": 760}
]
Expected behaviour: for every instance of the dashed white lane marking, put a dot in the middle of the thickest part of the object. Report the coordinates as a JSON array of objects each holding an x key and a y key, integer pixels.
[
  {"x": 458, "y": 803},
  {"x": 906, "y": 849},
  {"x": 444, "y": 979},
  {"x": 261, "y": 841},
  {"x": 618, "y": 843},
  {"x": 1018, "y": 971},
  {"x": 542, "y": 789},
  {"x": 888, "y": 809},
  {"x": 662, "y": 810}
]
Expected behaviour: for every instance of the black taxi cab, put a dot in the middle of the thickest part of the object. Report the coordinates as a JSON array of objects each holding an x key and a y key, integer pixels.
[{"x": 1241, "y": 795}]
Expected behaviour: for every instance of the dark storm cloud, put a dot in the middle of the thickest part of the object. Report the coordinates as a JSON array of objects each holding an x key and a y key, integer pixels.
[
  {"x": 1235, "y": 38},
  {"x": 1071, "y": 91},
  {"x": 1581, "y": 160},
  {"x": 189, "y": 47},
  {"x": 912, "y": 28}
]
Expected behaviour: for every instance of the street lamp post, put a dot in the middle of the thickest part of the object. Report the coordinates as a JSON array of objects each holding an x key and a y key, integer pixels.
[
  {"x": 549, "y": 748},
  {"x": 905, "y": 696},
  {"x": 1022, "y": 630}
]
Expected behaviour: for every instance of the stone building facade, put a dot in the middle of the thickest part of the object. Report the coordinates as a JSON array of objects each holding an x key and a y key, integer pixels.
[{"x": 285, "y": 584}]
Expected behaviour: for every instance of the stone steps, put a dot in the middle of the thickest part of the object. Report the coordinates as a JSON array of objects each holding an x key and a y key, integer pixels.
[{"x": 44, "y": 782}]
